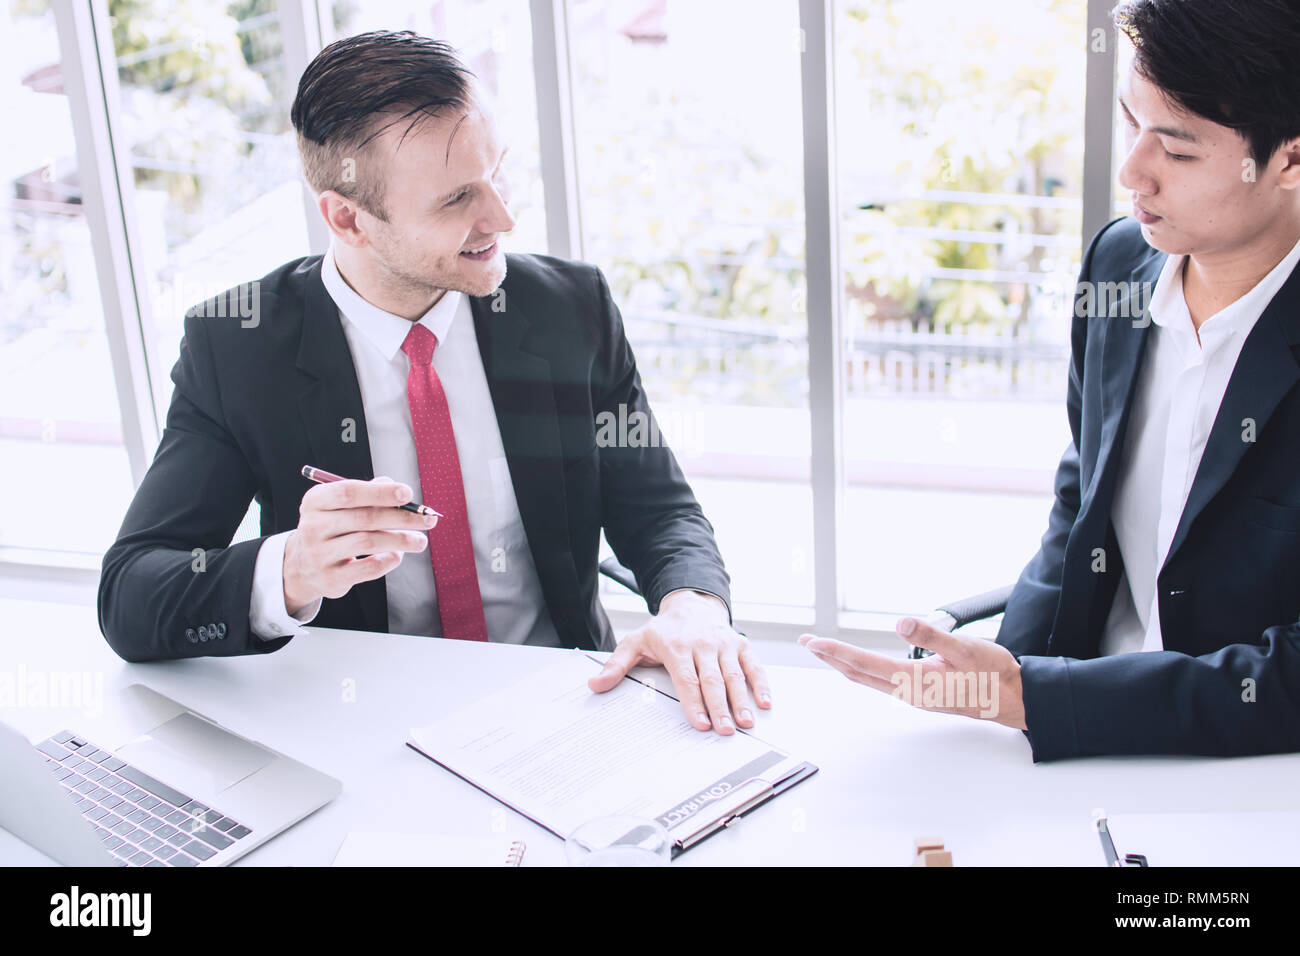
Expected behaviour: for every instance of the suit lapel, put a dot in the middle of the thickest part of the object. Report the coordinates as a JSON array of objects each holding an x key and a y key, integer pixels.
[
  {"x": 1124, "y": 341},
  {"x": 329, "y": 398},
  {"x": 1266, "y": 371},
  {"x": 523, "y": 397},
  {"x": 1125, "y": 329}
]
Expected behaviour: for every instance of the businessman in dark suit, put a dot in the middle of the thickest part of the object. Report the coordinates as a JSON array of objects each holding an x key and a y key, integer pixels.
[
  {"x": 1160, "y": 613},
  {"x": 416, "y": 350}
]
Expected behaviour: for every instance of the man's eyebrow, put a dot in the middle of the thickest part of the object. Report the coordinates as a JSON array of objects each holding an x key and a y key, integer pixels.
[
  {"x": 1173, "y": 132},
  {"x": 447, "y": 197}
]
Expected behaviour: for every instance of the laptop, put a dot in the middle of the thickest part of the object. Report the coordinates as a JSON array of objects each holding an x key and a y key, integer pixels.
[{"x": 153, "y": 784}]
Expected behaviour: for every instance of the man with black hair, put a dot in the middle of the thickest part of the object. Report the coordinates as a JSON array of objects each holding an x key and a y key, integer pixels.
[
  {"x": 417, "y": 351},
  {"x": 1160, "y": 613}
]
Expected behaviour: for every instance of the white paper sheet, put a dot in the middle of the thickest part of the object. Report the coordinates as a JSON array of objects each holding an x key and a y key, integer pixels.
[
  {"x": 1260, "y": 838},
  {"x": 368, "y": 848},
  {"x": 560, "y": 754}
]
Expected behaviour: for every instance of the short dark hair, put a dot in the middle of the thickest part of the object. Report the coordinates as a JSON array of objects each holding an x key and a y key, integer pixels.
[
  {"x": 1229, "y": 61},
  {"x": 349, "y": 89}
]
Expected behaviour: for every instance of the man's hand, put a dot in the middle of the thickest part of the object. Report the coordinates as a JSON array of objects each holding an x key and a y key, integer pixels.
[
  {"x": 709, "y": 663},
  {"x": 965, "y": 675},
  {"x": 348, "y": 532}
]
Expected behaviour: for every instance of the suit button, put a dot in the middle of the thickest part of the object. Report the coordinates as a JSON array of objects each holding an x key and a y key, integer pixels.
[
  {"x": 203, "y": 633},
  {"x": 221, "y": 629},
  {"x": 191, "y": 636}
]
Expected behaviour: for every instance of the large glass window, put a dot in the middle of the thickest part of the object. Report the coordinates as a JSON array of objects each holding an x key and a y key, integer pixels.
[
  {"x": 205, "y": 97},
  {"x": 60, "y": 430},
  {"x": 960, "y": 129},
  {"x": 689, "y": 161}
]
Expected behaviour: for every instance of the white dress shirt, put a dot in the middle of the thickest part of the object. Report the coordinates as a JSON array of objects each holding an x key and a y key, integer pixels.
[
  {"x": 513, "y": 605},
  {"x": 1177, "y": 398}
]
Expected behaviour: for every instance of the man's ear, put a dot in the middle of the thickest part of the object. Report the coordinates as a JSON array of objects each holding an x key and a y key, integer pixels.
[
  {"x": 344, "y": 217},
  {"x": 1288, "y": 155}
]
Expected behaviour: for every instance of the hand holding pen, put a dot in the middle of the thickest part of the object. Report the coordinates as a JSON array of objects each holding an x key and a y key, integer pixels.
[
  {"x": 321, "y": 477},
  {"x": 349, "y": 531}
]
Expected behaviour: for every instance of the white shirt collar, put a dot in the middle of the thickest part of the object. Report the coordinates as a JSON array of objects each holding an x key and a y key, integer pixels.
[
  {"x": 1169, "y": 306},
  {"x": 383, "y": 330}
]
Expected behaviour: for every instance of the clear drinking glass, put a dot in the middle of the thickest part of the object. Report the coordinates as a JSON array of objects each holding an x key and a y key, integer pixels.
[{"x": 618, "y": 841}]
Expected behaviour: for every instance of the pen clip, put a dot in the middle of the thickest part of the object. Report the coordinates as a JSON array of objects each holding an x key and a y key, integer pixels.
[{"x": 737, "y": 804}]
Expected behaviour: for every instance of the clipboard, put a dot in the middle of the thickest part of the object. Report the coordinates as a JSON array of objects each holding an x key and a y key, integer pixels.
[
  {"x": 711, "y": 816},
  {"x": 733, "y": 811},
  {"x": 730, "y": 810},
  {"x": 711, "y": 823}
]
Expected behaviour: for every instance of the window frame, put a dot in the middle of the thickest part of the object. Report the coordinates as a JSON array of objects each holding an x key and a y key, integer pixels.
[{"x": 91, "y": 82}]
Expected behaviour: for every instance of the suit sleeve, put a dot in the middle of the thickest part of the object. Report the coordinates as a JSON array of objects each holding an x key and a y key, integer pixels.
[
  {"x": 173, "y": 585},
  {"x": 649, "y": 513},
  {"x": 1031, "y": 609},
  {"x": 1241, "y": 699}
]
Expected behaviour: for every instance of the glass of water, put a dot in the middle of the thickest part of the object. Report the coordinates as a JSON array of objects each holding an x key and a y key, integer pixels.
[{"x": 618, "y": 841}]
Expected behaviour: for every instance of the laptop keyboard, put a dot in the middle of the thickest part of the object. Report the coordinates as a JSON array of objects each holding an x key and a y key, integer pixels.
[{"x": 140, "y": 820}]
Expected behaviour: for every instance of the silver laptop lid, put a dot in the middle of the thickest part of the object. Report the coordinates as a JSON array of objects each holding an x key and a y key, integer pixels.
[{"x": 34, "y": 808}]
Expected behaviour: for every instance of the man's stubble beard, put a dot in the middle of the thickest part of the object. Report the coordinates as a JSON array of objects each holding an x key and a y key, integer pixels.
[{"x": 429, "y": 286}]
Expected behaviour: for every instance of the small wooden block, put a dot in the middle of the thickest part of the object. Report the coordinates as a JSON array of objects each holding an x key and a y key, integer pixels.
[
  {"x": 928, "y": 843},
  {"x": 935, "y": 858}
]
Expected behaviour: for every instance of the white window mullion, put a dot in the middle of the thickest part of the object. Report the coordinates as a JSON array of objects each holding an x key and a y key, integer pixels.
[
  {"x": 89, "y": 68},
  {"x": 821, "y": 260},
  {"x": 1098, "y": 119},
  {"x": 551, "y": 69},
  {"x": 302, "y": 26}
]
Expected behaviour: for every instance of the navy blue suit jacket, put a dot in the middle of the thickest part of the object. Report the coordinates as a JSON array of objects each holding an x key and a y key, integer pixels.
[{"x": 1228, "y": 681}]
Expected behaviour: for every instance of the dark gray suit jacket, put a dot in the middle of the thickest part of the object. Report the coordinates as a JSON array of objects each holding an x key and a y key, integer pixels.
[{"x": 254, "y": 403}]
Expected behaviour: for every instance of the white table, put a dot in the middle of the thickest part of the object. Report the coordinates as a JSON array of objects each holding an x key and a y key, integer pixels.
[{"x": 889, "y": 773}]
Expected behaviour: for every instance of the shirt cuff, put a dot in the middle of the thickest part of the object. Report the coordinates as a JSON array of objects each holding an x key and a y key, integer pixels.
[{"x": 268, "y": 618}]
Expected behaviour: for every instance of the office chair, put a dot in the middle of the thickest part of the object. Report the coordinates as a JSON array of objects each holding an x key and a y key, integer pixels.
[
  {"x": 965, "y": 611},
  {"x": 951, "y": 616},
  {"x": 948, "y": 618},
  {"x": 616, "y": 572}
]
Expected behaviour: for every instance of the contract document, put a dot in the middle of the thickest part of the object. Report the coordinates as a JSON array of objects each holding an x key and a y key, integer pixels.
[{"x": 561, "y": 755}]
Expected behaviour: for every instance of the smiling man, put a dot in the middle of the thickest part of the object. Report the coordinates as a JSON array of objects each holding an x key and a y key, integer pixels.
[
  {"x": 416, "y": 350},
  {"x": 1160, "y": 613}
]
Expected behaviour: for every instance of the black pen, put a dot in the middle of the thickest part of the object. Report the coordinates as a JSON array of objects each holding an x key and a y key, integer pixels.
[{"x": 323, "y": 477}]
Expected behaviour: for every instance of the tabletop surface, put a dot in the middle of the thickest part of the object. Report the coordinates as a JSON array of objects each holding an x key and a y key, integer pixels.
[{"x": 343, "y": 702}]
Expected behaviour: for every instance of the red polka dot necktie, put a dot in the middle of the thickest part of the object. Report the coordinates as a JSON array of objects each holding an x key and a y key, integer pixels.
[{"x": 460, "y": 605}]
